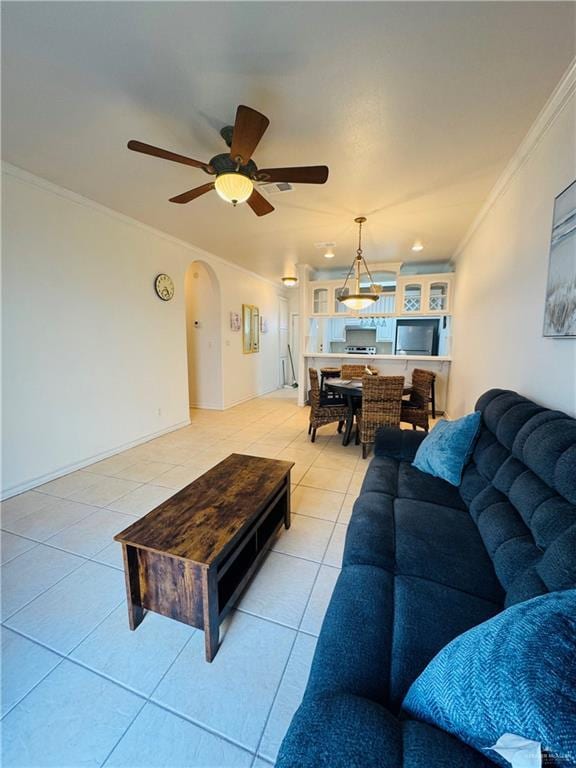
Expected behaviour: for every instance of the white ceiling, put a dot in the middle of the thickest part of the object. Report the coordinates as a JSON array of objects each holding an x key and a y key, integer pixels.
[{"x": 415, "y": 107}]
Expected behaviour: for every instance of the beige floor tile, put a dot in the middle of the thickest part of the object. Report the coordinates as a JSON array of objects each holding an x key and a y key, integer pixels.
[
  {"x": 144, "y": 471},
  {"x": 141, "y": 500},
  {"x": 335, "y": 548},
  {"x": 331, "y": 459},
  {"x": 23, "y": 504},
  {"x": 64, "y": 487},
  {"x": 178, "y": 477},
  {"x": 307, "y": 537},
  {"x": 104, "y": 491},
  {"x": 356, "y": 483},
  {"x": 327, "y": 479},
  {"x": 111, "y": 465},
  {"x": 315, "y": 502},
  {"x": 346, "y": 508}
]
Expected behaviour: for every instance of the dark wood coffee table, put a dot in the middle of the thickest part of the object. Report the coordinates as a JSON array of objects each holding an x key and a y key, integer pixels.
[{"x": 190, "y": 558}]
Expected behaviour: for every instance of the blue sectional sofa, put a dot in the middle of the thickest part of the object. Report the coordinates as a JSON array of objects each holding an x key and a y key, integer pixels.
[{"x": 425, "y": 561}]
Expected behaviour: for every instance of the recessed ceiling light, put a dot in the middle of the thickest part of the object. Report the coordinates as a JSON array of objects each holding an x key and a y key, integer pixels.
[
  {"x": 289, "y": 281},
  {"x": 417, "y": 246},
  {"x": 329, "y": 255}
]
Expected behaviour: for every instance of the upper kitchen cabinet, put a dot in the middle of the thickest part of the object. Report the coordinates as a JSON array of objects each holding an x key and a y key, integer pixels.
[
  {"x": 424, "y": 294},
  {"x": 321, "y": 299}
]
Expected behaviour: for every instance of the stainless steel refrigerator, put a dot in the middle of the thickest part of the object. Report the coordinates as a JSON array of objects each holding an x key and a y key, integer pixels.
[{"x": 416, "y": 337}]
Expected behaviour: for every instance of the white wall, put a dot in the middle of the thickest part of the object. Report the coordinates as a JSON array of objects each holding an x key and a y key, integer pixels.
[
  {"x": 93, "y": 361},
  {"x": 501, "y": 276}
]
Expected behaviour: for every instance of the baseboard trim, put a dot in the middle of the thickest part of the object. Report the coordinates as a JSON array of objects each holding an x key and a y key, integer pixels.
[
  {"x": 250, "y": 397},
  {"x": 28, "y": 485}
]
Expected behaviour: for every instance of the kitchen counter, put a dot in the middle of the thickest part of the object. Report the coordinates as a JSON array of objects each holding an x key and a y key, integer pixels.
[
  {"x": 401, "y": 358},
  {"x": 388, "y": 365}
]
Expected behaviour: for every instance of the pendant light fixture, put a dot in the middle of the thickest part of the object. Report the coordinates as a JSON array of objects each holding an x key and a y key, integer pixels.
[{"x": 355, "y": 297}]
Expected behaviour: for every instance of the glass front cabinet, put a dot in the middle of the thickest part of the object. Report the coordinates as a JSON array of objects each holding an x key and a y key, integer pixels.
[
  {"x": 412, "y": 295},
  {"x": 425, "y": 294}
]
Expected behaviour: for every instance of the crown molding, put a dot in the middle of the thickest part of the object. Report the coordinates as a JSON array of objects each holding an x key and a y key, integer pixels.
[
  {"x": 559, "y": 99},
  {"x": 198, "y": 253}
]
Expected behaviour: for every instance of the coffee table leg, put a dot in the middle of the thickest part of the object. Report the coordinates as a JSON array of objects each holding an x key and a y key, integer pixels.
[
  {"x": 287, "y": 502},
  {"x": 211, "y": 618},
  {"x": 135, "y": 611}
]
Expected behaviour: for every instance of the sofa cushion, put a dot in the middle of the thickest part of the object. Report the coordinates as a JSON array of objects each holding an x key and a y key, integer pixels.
[
  {"x": 354, "y": 647},
  {"x": 399, "y": 444},
  {"x": 341, "y": 731},
  {"x": 381, "y": 476},
  {"x": 427, "y": 616},
  {"x": 370, "y": 535},
  {"x": 345, "y": 731},
  {"x": 443, "y": 545},
  {"x": 414, "y": 484},
  {"x": 513, "y": 674}
]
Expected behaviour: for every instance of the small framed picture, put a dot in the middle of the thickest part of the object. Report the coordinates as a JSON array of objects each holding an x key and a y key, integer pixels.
[{"x": 235, "y": 324}]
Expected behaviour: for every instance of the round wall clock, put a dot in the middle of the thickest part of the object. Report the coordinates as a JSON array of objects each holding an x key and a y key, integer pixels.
[{"x": 164, "y": 287}]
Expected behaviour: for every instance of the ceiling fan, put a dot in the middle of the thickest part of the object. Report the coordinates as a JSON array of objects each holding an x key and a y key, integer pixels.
[{"x": 235, "y": 171}]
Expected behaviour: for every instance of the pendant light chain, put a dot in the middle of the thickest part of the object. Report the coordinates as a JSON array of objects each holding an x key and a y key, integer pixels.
[{"x": 358, "y": 299}]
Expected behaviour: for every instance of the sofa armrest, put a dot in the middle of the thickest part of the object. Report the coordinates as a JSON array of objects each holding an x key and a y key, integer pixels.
[{"x": 395, "y": 443}]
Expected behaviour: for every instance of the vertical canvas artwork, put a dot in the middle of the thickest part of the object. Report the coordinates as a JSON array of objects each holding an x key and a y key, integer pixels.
[{"x": 560, "y": 308}]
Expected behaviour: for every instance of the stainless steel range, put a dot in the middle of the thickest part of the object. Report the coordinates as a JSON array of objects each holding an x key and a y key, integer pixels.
[{"x": 360, "y": 350}]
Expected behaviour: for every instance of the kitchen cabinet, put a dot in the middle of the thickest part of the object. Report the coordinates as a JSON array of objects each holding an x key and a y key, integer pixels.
[
  {"x": 321, "y": 302},
  {"x": 425, "y": 294}
]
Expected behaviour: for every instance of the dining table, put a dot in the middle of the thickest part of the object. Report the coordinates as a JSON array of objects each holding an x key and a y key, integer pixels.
[{"x": 351, "y": 391}]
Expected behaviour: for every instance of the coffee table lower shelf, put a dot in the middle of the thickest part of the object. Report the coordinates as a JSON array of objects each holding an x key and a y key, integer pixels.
[{"x": 195, "y": 593}]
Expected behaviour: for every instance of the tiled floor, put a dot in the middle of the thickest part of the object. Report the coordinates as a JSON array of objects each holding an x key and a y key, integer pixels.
[{"x": 80, "y": 689}]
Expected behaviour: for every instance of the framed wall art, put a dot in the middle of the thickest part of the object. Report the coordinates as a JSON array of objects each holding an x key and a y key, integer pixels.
[{"x": 560, "y": 307}]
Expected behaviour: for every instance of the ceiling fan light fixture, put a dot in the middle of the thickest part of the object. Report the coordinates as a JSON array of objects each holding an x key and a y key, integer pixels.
[
  {"x": 234, "y": 187},
  {"x": 290, "y": 281},
  {"x": 357, "y": 298}
]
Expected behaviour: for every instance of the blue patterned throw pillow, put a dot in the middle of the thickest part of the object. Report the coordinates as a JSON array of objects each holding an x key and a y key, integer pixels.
[
  {"x": 447, "y": 449},
  {"x": 513, "y": 674}
]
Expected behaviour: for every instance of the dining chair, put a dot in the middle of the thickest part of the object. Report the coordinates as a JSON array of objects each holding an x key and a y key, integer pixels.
[
  {"x": 381, "y": 407},
  {"x": 422, "y": 392},
  {"x": 323, "y": 411},
  {"x": 328, "y": 372},
  {"x": 356, "y": 371}
]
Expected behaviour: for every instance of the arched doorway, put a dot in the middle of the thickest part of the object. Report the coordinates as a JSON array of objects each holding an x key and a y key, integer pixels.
[{"x": 203, "y": 336}]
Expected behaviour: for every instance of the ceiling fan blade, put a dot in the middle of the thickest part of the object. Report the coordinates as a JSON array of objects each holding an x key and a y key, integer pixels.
[
  {"x": 148, "y": 149},
  {"x": 192, "y": 194},
  {"x": 312, "y": 174},
  {"x": 249, "y": 127},
  {"x": 259, "y": 204}
]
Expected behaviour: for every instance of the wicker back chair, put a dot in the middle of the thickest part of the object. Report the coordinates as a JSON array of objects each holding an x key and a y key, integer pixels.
[
  {"x": 321, "y": 411},
  {"x": 356, "y": 371},
  {"x": 415, "y": 410},
  {"x": 381, "y": 407}
]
